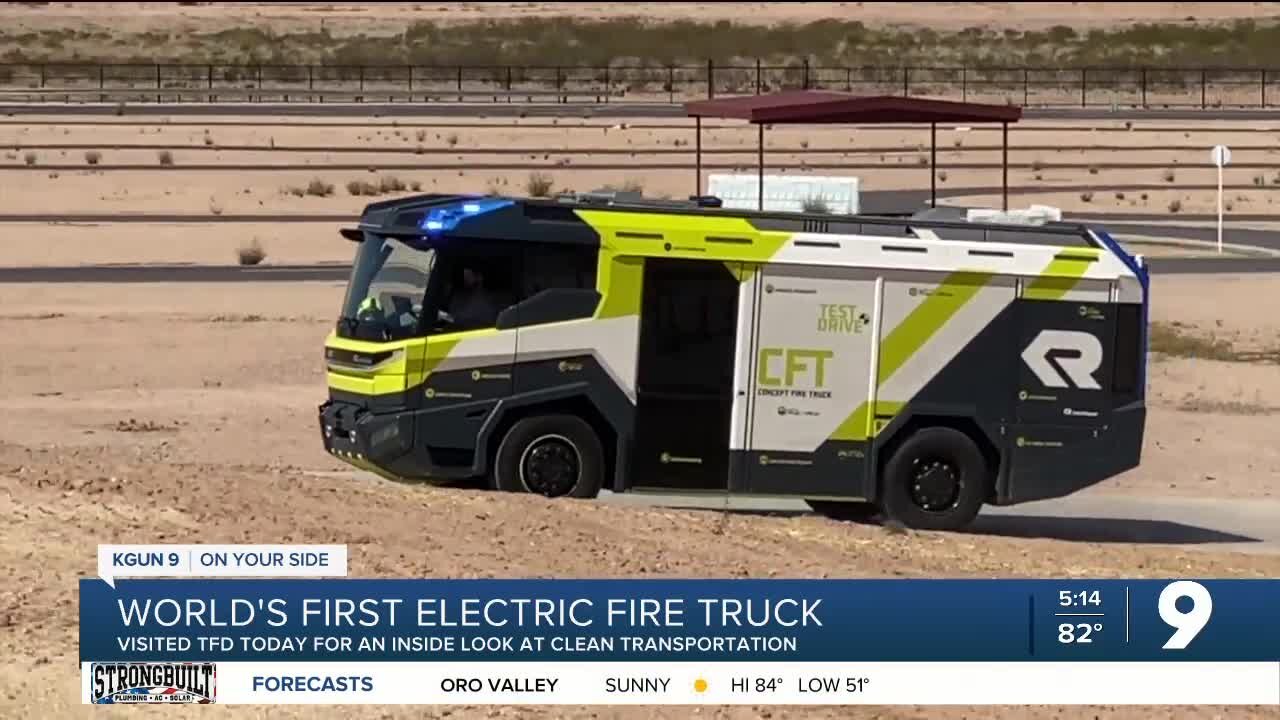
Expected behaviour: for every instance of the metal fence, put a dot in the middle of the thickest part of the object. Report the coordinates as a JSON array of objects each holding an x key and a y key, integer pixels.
[{"x": 1029, "y": 87}]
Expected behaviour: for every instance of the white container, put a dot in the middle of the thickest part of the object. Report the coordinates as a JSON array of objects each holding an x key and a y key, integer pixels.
[{"x": 785, "y": 193}]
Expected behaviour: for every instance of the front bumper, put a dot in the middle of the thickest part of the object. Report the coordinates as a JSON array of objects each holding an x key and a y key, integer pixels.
[
  {"x": 353, "y": 433},
  {"x": 381, "y": 442}
]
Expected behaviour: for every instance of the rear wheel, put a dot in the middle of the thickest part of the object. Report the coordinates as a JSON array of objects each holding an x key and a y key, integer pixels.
[
  {"x": 936, "y": 480},
  {"x": 846, "y": 511},
  {"x": 552, "y": 456}
]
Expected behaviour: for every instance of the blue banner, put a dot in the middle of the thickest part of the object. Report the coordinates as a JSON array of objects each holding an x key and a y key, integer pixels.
[{"x": 679, "y": 620}]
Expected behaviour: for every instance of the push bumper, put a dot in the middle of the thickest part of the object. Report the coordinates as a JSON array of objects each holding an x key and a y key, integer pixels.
[
  {"x": 381, "y": 442},
  {"x": 353, "y": 433}
]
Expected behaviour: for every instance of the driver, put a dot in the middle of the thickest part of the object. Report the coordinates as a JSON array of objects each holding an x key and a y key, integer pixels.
[{"x": 472, "y": 305}]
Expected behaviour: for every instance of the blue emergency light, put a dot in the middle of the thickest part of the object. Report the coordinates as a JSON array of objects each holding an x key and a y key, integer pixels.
[{"x": 446, "y": 218}]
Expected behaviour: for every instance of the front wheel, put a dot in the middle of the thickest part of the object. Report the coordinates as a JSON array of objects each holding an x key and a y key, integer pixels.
[
  {"x": 552, "y": 456},
  {"x": 936, "y": 480}
]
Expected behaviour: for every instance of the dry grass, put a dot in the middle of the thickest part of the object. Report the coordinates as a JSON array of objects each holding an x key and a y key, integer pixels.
[
  {"x": 630, "y": 185},
  {"x": 1175, "y": 340},
  {"x": 319, "y": 188},
  {"x": 385, "y": 185},
  {"x": 1196, "y": 404},
  {"x": 251, "y": 254},
  {"x": 815, "y": 205},
  {"x": 565, "y": 40}
]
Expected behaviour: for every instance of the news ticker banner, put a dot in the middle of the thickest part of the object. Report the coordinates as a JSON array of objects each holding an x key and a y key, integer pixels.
[{"x": 338, "y": 641}]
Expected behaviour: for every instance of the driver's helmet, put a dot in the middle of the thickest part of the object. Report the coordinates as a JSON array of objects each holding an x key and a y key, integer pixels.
[{"x": 370, "y": 306}]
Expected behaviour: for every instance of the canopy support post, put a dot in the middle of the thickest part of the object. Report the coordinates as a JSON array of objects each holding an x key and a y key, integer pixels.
[
  {"x": 697, "y": 155},
  {"x": 760, "y": 164},
  {"x": 933, "y": 164},
  {"x": 1004, "y": 164}
]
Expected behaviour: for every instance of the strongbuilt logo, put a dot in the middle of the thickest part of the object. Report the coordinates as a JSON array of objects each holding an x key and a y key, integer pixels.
[{"x": 134, "y": 683}]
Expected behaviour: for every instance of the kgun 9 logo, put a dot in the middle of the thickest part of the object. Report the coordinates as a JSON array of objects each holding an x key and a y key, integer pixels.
[{"x": 1187, "y": 624}]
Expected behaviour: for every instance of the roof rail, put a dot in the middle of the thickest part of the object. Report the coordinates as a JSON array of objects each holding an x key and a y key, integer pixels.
[{"x": 635, "y": 198}]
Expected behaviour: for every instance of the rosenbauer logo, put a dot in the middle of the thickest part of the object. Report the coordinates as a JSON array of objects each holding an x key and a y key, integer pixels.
[{"x": 136, "y": 683}]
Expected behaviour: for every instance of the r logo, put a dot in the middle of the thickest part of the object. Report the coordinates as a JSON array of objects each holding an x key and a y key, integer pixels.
[{"x": 1068, "y": 371}]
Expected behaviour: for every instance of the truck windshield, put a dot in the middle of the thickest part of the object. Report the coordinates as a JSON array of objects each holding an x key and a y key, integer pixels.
[{"x": 385, "y": 294}]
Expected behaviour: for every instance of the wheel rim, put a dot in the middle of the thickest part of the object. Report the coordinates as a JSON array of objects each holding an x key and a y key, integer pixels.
[
  {"x": 936, "y": 484},
  {"x": 550, "y": 466}
]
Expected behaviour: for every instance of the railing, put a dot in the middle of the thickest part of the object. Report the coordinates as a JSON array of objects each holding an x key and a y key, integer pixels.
[{"x": 1142, "y": 87}]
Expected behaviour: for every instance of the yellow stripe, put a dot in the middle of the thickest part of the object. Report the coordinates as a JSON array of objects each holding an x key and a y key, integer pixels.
[
  {"x": 927, "y": 319},
  {"x": 628, "y": 237},
  {"x": 905, "y": 340},
  {"x": 1061, "y": 275}
]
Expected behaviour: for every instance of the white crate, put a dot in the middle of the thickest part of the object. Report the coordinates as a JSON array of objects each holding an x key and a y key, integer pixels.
[{"x": 785, "y": 193}]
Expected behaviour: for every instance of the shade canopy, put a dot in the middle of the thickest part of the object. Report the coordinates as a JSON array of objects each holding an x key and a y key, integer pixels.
[{"x": 822, "y": 107}]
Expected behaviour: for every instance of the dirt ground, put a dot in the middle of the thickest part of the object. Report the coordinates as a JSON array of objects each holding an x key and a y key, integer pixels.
[
  {"x": 222, "y": 166},
  {"x": 184, "y": 413}
]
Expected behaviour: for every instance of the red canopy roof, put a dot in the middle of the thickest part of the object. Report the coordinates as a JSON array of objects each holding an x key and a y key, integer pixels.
[{"x": 821, "y": 108}]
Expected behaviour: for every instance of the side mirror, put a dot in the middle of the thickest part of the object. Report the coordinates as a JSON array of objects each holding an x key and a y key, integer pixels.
[{"x": 548, "y": 306}]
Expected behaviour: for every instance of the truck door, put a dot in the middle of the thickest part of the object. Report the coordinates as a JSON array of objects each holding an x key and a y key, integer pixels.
[
  {"x": 813, "y": 380},
  {"x": 684, "y": 374}
]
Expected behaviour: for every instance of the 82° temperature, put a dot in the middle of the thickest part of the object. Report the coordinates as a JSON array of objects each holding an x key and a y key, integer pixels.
[{"x": 1072, "y": 633}]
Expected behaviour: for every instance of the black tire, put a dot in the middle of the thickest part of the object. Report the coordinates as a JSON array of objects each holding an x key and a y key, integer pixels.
[
  {"x": 550, "y": 455},
  {"x": 845, "y": 510},
  {"x": 936, "y": 480}
]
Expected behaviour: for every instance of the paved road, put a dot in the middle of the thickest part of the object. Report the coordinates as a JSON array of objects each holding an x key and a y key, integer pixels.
[
  {"x": 489, "y": 109},
  {"x": 1245, "y": 525}
]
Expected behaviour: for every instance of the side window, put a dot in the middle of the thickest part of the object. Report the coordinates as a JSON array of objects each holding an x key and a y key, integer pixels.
[
  {"x": 473, "y": 284},
  {"x": 557, "y": 283},
  {"x": 550, "y": 267}
]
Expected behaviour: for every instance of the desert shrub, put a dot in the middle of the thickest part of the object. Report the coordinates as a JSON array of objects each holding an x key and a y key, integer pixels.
[
  {"x": 29, "y": 157},
  {"x": 361, "y": 187},
  {"x": 390, "y": 184},
  {"x": 165, "y": 157},
  {"x": 538, "y": 184},
  {"x": 319, "y": 188},
  {"x": 251, "y": 254},
  {"x": 93, "y": 157},
  {"x": 815, "y": 205},
  {"x": 1175, "y": 205}
]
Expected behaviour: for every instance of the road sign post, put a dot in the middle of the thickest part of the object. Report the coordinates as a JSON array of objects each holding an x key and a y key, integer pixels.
[{"x": 1221, "y": 156}]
